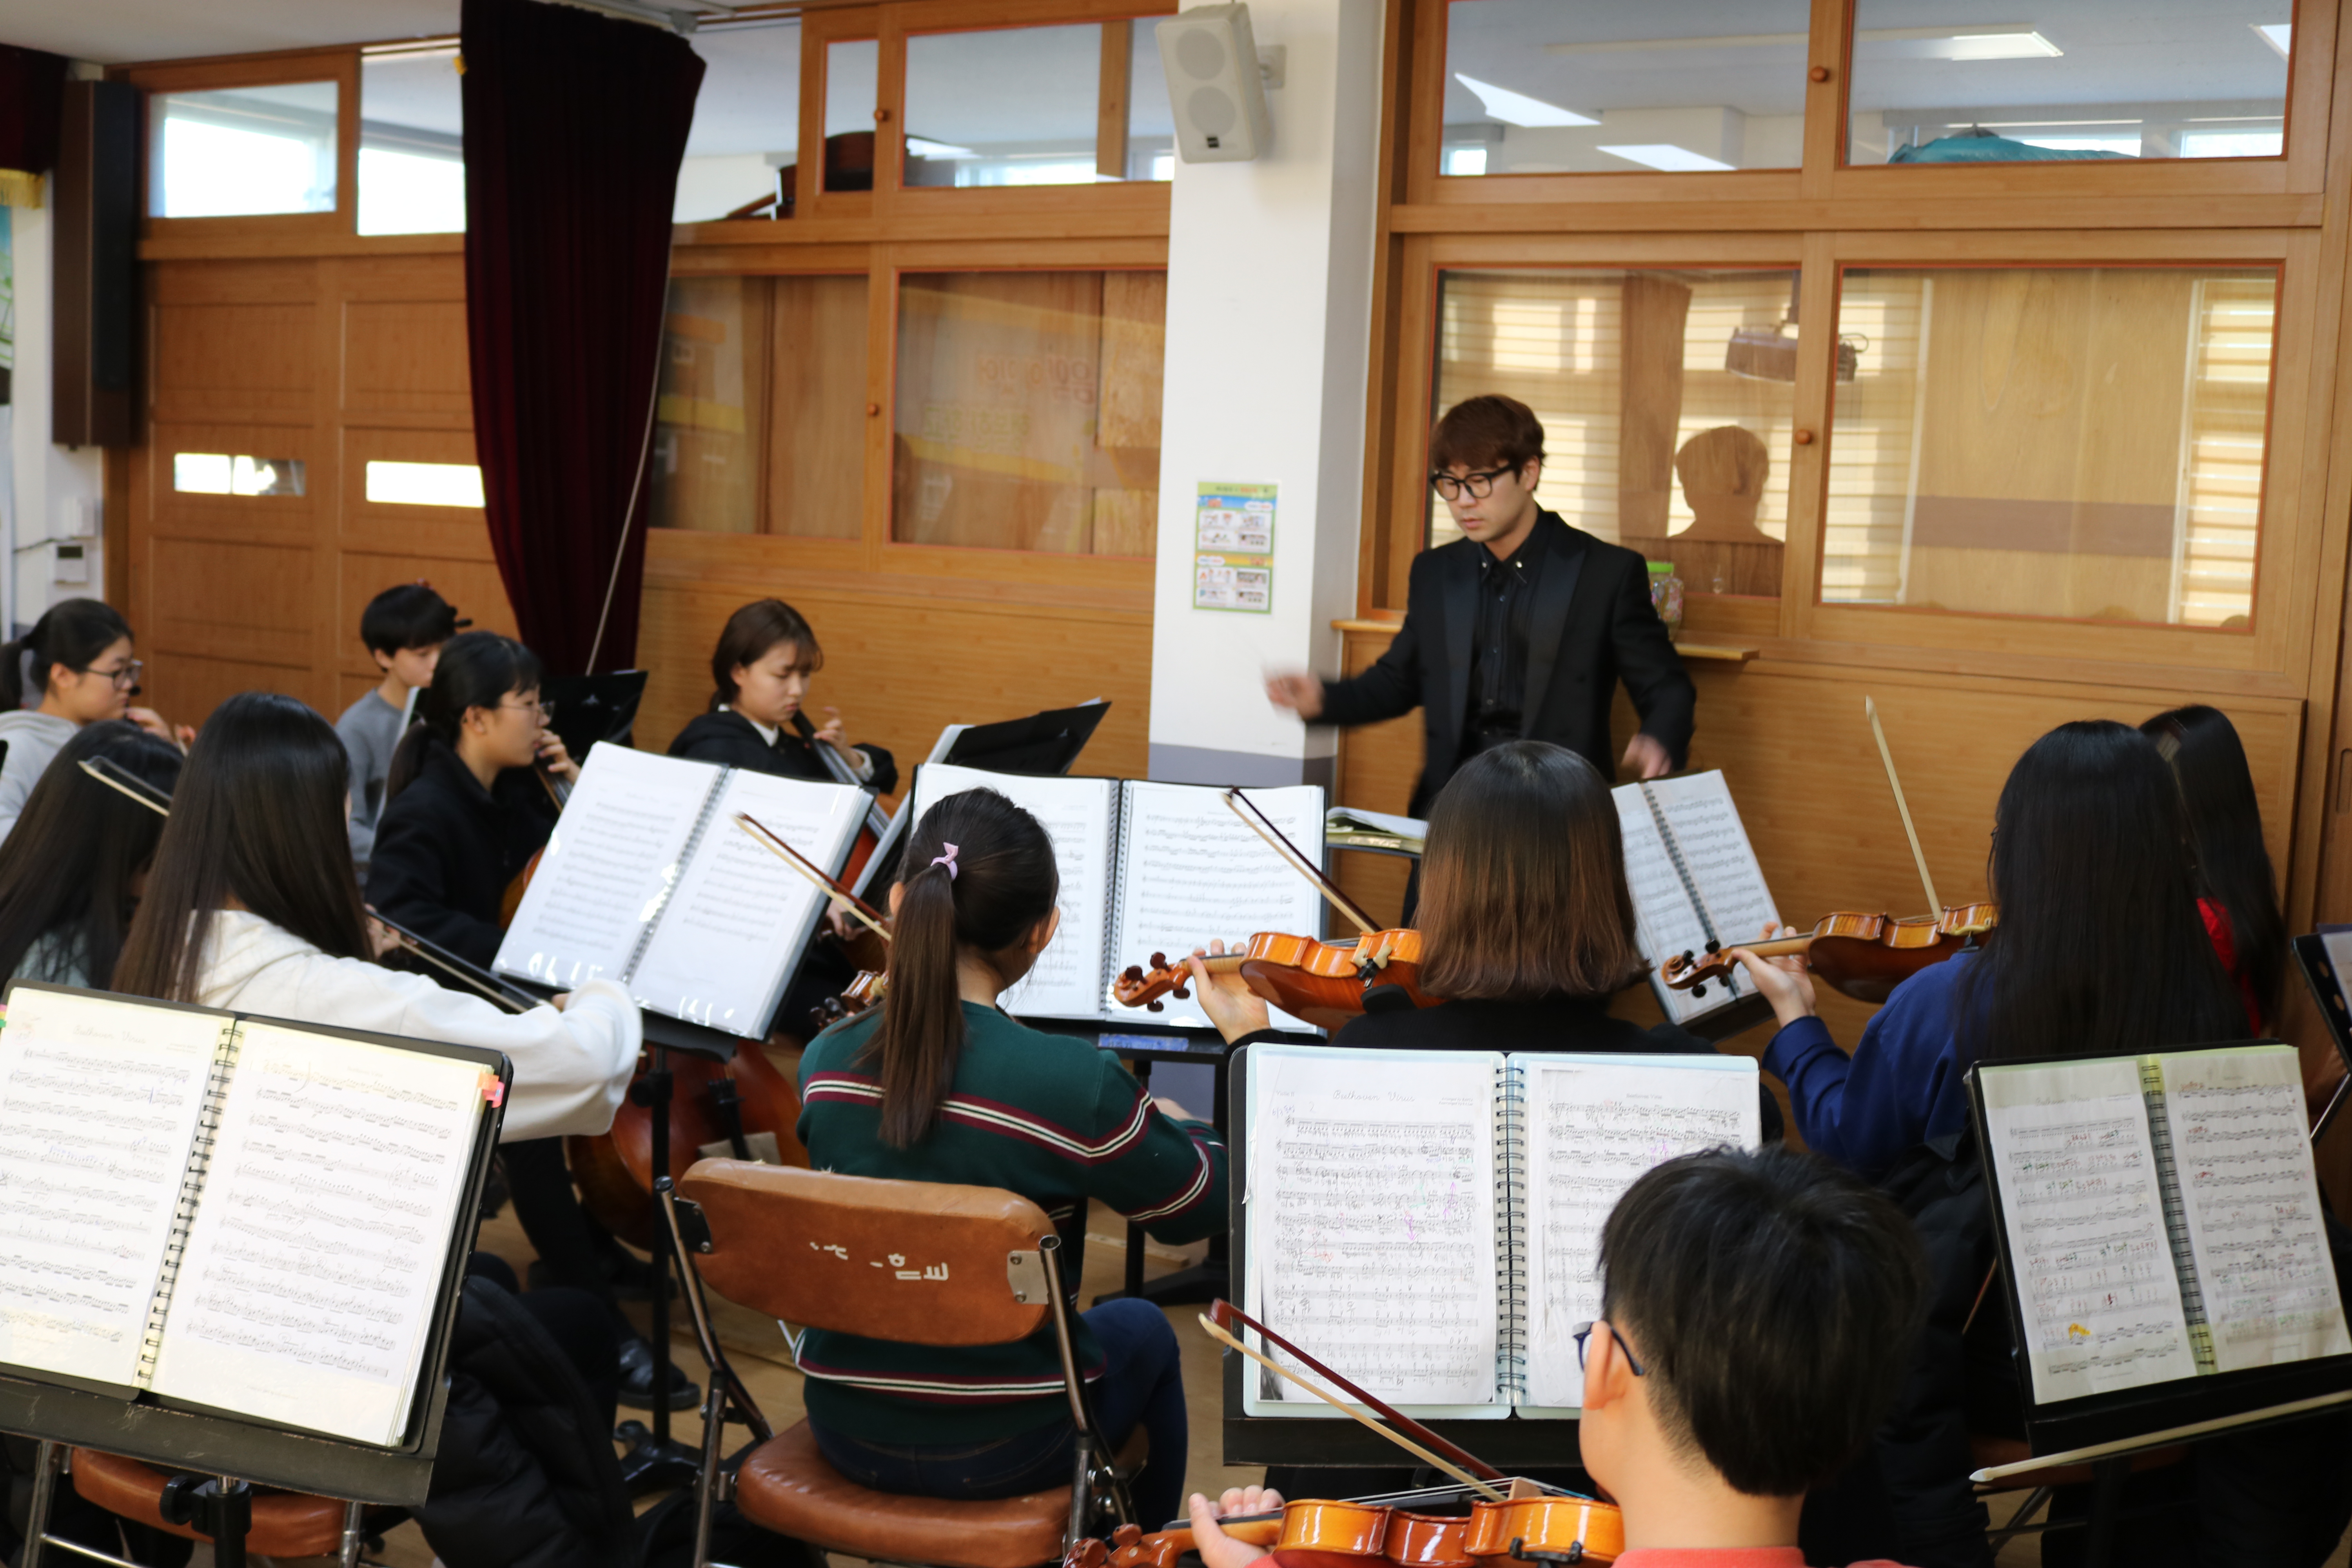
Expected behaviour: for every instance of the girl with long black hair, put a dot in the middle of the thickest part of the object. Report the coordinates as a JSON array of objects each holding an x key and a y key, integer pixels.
[
  {"x": 73, "y": 668},
  {"x": 939, "y": 1085},
  {"x": 463, "y": 810},
  {"x": 2225, "y": 824},
  {"x": 69, "y": 882}
]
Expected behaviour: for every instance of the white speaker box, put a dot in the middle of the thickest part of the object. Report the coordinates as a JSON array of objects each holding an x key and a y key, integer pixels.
[{"x": 1213, "y": 85}]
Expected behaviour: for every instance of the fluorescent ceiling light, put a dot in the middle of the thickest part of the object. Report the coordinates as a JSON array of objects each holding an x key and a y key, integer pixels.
[
  {"x": 2277, "y": 35},
  {"x": 1977, "y": 44},
  {"x": 1976, "y": 41},
  {"x": 924, "y": 147},
  {"x": 1518, "y": 108},
  {"x": 1665, "y": 155}
]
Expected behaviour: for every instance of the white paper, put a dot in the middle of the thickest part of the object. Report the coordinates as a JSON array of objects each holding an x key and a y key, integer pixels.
[
  {"x": 737, "y": 921},
  {"x": 2085, "y": 1216},
  {"x": 1193, "y": 871},
  {"x": 306, "y": 1294},
  {"x": 1722, "y": 866},
  {"x": 2241, "y": 1153},
  {"x": 1370, "y": 1214},
  {"x": 614, "y": 852},
  {"x": 1346, "y": 818},
  {"x": 1594, "y": 1125},
  {"x": 98, "y": 1104},
  {"x": 1078, "y": 815}
]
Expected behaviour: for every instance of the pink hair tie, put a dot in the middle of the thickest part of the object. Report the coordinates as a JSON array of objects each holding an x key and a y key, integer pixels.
[{"x": 948, "y": 860}]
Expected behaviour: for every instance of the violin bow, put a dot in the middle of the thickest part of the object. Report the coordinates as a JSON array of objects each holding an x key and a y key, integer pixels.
[
  {"x": 764, "y": 835},
  {"x": 1935, "y": 904},
  {"x": 441, "y": 958},
  {"x": 1462, "y": 1465},
  {"x": 115, "y": 776},
  {"x": 1258, "y": 823}
]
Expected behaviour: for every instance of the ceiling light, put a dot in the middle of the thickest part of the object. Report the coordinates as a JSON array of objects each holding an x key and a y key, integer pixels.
[
  {"x": 1518, "y": 108},
  {"x": 2277, "y": 35},
  {"x": 1976, "y": 41},
  {"x": 924, "y": 147},
  {"x": 1667, "y": 156}
]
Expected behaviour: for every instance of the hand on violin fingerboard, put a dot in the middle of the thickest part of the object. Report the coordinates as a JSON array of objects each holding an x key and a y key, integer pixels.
[
  {"x": 1218, "y": 1550},
  {"x": 1226, "y": 997},
  {"x": 1783, "y": 982}
]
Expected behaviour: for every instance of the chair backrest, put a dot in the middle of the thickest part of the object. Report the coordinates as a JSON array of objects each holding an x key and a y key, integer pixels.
[{"x": 919, "y": 1262}]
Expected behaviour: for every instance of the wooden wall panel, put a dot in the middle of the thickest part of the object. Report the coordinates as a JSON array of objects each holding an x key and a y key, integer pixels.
[
  {"x": 407, "y": 356},
  {"x": 902, "y": 664},
  {"x": 246, "y": 358}
]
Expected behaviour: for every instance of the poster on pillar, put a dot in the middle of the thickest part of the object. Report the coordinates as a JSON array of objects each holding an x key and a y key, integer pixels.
[{"x": 1233, "y": 548}]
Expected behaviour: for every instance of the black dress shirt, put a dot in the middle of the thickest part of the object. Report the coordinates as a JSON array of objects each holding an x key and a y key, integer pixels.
[{"x": 1498, "y": 646}]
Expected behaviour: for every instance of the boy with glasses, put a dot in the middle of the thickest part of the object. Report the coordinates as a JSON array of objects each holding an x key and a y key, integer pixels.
[
  {"x": 1518, "y": 630},
  {"x": 1759, "y": 1312}
]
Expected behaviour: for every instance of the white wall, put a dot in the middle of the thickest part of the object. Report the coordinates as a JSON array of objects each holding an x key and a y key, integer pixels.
[
  {"x": 52, "y": 485},
  {"x": 1269, "y": 325}
]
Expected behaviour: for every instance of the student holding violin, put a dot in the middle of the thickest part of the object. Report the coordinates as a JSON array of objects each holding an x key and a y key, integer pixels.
[
  {"x": 2240, "y": 902},
  {"x": 1757, "y": 1313},
  {"x": 761, "y": 672},
  {"x": 936, "y": 1084}
]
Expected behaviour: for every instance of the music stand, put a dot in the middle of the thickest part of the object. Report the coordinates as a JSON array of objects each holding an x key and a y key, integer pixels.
[
  {"x": 1046, "y": 744},
  {"x": 2320, "y": 972},
  {"x": 592, "y": 707}
]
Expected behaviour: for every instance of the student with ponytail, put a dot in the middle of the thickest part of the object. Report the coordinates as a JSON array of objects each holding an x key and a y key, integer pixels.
[
  {"x": 939, "y": 1085},
  {"x": 74, "y": 667}
]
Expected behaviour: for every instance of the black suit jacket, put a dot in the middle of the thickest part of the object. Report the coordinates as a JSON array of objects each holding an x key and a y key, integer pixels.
[{"x": 1591, "y": 626}]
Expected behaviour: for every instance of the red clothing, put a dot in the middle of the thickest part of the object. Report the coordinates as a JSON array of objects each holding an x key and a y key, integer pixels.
[
  {"x": 2225, "y": 947},
  {"x": 1726, "y": 1557}
]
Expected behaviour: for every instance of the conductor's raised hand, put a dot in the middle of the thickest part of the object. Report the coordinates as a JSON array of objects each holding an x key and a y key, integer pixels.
[
  {"x": 1231, "y": 1004},
  {"x": 1646, "y": 757},
  {"x": 1295, "y": 689},
  {"x": 1218, "y": 1550},
  {"x": 1783, "y": 981}
]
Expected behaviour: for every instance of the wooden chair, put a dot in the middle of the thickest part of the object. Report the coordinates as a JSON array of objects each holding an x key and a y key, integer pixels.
[
  {"x": 918, "y": 1262},
  {"x": 279, "y": 1523}
]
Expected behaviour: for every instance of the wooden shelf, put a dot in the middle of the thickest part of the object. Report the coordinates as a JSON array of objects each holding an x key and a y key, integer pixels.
[{"x": 1723, "y": 652}]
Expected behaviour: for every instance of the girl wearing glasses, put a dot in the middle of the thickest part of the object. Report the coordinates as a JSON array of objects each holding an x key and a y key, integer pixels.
[{"x": 74, "y": 667}]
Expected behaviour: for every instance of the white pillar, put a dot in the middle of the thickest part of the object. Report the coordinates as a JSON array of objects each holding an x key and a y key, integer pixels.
[{"x": 1269, "y": 327}]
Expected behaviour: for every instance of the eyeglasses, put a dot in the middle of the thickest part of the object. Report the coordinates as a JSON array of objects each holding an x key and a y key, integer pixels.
[
  {"x": 1583, "y": 1331},
  {"x": 1477, "y": 487},
  {"x": 125, "y": 679},
  {"x": 546, "y": 710}
]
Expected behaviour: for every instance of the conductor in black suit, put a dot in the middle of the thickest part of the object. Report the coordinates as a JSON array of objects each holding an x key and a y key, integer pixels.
[{"x": 1519, "y": 629}]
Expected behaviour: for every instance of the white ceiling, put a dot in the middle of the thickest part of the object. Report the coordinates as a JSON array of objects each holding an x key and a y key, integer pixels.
[{"x": 114, "y": 31}]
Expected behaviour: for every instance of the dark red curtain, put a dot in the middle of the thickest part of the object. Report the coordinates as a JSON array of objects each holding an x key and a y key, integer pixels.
[{"x": 574, "y": 127}]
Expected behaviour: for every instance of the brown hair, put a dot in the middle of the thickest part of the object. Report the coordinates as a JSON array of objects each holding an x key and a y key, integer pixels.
[
  {"x": 748, "y": 636},
  {"x": 1523, "y": 883},
  {"x": 1486, "y": 432},
  {"x": 1002, "y": 883}
]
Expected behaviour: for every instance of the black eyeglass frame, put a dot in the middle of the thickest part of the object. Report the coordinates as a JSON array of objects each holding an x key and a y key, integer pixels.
[
  {"x": 125, "y": 679},
  {"x": 1583, "y": 1331},
  {"x": 1476, "y": 486}
]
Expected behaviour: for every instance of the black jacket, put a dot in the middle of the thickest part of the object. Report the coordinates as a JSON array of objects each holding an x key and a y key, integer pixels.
[
  {"x": 446, "y": 849},
  {"x": 525, "y": 1477},
  {"x": 1591, "y": 626},
  {"x": 734, "y": 741}
]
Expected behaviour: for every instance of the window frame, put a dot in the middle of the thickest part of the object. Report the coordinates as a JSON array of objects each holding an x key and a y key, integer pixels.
[{"x": 224, "y": 234}]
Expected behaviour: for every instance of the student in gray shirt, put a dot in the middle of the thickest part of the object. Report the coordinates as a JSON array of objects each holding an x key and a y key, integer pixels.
[{"x": 404, "y": 628}]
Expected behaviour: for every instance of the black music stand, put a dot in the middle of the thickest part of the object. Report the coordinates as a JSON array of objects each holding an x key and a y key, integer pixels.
[
  {"x": 2319, "y": 973},
  {"x": 1046, "y": 744},
  {"x": 592, "y": 707}
]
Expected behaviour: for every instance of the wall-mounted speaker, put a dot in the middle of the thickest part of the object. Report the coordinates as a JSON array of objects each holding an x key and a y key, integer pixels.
[
  {"x": 1213, "y": 85},
  {"x": 95, "y": 387}
]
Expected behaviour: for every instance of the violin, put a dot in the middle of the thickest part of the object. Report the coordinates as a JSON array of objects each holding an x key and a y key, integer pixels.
[
  {"x": 1321, "y": 982},
  {"x": 1865, "y": 956},
  {"x": 1529, "y": 1525},
  {"x": 868, "y": 989}
]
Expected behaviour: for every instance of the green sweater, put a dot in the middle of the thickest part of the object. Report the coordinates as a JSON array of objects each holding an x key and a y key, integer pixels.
[{"x": 1047, "y": 1116}]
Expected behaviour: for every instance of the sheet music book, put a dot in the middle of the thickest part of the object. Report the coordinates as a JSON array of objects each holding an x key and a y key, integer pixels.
[
  {"x": 1376, "y": 832},
  {"x": 648, "y": 880},
  {"x": 1695, "y": 881},
  {"x": 1428, "y": 1223},
  {"x": 2164, "y": 1210},
  {"x": 1148, "y": 868},
  {"x": 258, "y": 1218}
]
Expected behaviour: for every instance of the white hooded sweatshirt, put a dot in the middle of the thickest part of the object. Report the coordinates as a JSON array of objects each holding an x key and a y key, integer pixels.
[{"x": 571, "y": 1067}]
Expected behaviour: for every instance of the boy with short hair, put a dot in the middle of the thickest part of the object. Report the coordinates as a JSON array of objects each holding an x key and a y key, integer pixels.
[
  {"x": 404, "y": 628},
  {"x": 1759, "y": 1309}
]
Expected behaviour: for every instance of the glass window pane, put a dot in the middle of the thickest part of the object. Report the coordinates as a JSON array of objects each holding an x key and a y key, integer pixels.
[
  {"x": 243, "y": 151},
  {"x": 1534, "y": 87},
  {"x": 412, "y": 146},
  {"x": 1014, "y": 106},
  {"x": 2085, "y": 80},
  {"x": 221, "y": 474},
  {"x": 853, "y": 80},
  {"x": 2077, "y": 442},
  {"x": 746, "y": 120},
  {"x": 1150, "y": 121},
  {"x": 1668, "y": 401},
  {"x": 423, "y": 484},
  {"x": 1027, "y": 411},
  {"x": 762, "y": 422}
]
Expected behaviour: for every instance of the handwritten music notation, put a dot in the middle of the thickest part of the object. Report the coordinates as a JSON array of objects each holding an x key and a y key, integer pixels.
[
  {"x": 1371, "y": 1219},
  {"x": 312, "y": 1270},
  {"x": 98, "y": 1112},
  {"x": 2242, "y": 1157}
]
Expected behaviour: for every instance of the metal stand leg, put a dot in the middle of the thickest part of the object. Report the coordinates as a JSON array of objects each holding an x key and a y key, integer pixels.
[
  {"x": 47, "y": 1468},
  {"x": 218, "y": 1506},
  {"x": 654, "y": 1460},
  {"x": 354, "y": 1536},
  {"x": 2107, "y": 1479}
]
